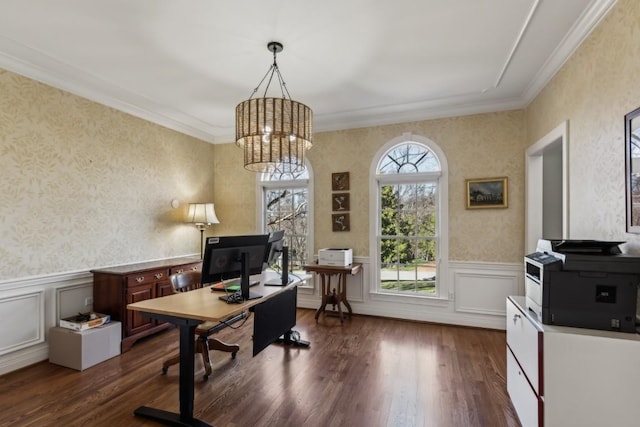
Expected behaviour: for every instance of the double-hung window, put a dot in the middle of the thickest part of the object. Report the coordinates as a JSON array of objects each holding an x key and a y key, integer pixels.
[
  {"x": 410, "y": 186},
  {"x": 286, "y": 204}
]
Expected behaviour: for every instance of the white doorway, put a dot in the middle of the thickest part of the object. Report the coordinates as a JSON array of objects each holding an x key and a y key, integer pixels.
[{"x": 547, "y": 188}]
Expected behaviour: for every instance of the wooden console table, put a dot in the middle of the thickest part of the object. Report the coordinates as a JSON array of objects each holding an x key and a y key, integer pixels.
[
  {"x": 336, "y": 296},
  {"x": 115, "y": 287}
]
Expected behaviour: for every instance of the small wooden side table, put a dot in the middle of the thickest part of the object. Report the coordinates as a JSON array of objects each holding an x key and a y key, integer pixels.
[{"x": 336, "y": 296}]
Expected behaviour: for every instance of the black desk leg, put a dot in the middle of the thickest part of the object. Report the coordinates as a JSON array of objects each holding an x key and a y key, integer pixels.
[{"x": 187, "y": 350}]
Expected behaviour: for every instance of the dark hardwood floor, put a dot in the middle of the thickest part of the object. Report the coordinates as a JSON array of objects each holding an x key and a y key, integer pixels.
[{"x": 368, "y": 372}]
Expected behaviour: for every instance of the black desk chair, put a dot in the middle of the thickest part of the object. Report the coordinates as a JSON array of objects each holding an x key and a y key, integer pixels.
[{"x": 183, "y": 282}]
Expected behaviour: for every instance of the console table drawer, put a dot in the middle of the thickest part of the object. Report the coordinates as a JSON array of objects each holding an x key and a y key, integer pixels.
[
  {"x": 196, "y": 266},
  {"x": 143, "y": 278}
]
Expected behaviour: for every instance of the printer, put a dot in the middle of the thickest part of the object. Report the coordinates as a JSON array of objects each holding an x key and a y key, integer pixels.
[
  {"x": 335, "y": 256},
  {"x": 583, "y": 283}
]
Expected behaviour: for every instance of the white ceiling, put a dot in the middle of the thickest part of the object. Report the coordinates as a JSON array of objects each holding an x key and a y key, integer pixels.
[{"x": 187, "y": 64}]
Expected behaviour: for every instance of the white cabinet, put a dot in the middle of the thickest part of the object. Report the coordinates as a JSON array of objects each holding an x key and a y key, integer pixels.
[{"x": 560, "y": 376}]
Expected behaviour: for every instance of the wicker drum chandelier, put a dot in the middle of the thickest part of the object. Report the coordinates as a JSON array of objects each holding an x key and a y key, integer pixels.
[{"x": 274, "y": 132}]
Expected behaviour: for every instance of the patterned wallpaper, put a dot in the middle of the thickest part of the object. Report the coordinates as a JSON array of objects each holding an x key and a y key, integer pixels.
[
  {"x": 235, "y": 190},
  {"x": 478, "y": 146},
  {"x": 86, "y": 186},
  {"x": 596, "y": 87}
]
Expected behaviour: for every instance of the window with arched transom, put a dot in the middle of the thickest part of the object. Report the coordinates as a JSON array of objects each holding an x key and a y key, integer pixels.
[{"x": 408, "y": 217}]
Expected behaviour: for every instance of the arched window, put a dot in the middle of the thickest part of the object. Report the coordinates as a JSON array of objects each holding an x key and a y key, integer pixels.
[
  {"x": 286, "y": 203},
  {"x": 409, "y": 218}
]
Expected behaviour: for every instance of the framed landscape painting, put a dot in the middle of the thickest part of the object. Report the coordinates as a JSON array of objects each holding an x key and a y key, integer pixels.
[{"x": 487, "y": 193}]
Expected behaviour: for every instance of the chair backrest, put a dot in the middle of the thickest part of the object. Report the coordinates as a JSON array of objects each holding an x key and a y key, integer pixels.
[{"x": 185, "y": 281}]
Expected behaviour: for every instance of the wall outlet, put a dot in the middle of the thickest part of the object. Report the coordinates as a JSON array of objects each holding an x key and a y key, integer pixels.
[{"x": 88, "y": 301}]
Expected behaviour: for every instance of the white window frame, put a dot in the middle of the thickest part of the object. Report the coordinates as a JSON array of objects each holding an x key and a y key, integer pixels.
[
  {"x": 294, "y": 183},
  {"x": 443, "y": 291}
]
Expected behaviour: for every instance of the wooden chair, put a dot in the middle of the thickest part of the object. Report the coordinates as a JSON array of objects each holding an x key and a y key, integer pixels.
[{"x": 183, "y": 282}]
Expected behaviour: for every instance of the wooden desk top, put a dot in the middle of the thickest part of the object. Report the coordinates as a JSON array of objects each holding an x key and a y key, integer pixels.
[
  {"x": 203, "y": 304},
  {"x": 334, "y": 269}
]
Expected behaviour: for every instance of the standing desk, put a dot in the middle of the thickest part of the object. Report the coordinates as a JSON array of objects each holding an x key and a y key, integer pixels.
[{"x": 187, "y": 310}]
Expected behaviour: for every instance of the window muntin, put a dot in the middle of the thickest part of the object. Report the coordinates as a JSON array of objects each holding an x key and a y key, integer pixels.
[
  {"x": 407, "y": 238},
  {"x": 408, "y": 158},
  {"x": 286, "y": 209},
  {"x": 285, "y": 206},
  {"x": 279, "y": 174}
]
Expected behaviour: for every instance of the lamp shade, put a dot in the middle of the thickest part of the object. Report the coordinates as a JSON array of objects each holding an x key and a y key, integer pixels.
[
  {"x": 202, "y": 213},
  {"x": 273, "y": 131}
]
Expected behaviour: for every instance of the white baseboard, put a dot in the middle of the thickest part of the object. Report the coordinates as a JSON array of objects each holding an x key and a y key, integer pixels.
[
  {"x": 477, "y": 296},
  {"x": 34, "y": 305}
]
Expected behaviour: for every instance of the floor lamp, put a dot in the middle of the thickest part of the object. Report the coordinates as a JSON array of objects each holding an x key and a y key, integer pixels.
[{"x": 202, "y": 215}]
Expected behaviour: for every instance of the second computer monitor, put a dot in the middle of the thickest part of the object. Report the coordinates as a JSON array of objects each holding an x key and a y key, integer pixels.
[
  {"x": 277, "y": 249},
  {"x": 274, "y": 248}
]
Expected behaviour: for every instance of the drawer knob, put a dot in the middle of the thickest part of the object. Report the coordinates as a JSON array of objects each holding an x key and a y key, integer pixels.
[
  {"x": 140, "y": 279},
  {"x": 159, "y": 275},
  {"x": 180, "y": 270},
  {"x": 516, "y": 317}
]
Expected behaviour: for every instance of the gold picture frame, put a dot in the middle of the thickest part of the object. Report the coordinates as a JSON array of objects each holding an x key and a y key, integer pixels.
[{"x": 487, "y": 193}]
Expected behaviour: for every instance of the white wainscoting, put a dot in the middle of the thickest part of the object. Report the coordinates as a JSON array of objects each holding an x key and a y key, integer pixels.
[
  {"x": 30, "y": 306},
  {"x": 477, "y": 291},
  {"x": 476, "y": 296},
  {"x": 482, "y": 288},
  {"x": 22, "y": 320}
]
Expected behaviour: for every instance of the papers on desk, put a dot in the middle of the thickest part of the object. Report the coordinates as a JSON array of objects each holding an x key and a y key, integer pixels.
[{"x": 230, "y": 286}]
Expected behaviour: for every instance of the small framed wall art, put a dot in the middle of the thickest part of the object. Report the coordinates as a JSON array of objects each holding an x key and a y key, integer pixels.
[
  {"x": 340, "y": 222},
  {"x": 340, "y": 181},
  {"x": 340, "y": 202},
  {"x": 487, "y": 193}
]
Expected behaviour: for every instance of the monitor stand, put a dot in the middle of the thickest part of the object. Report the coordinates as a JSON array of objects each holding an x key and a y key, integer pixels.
[
  {"x": 243, "y": 294},
  {"x": 244, "y": 279},
  {"x": 284, "y": 277}
]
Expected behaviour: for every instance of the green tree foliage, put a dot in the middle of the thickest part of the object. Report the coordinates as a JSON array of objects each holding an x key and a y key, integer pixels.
[{"x": 408, "y": 213}]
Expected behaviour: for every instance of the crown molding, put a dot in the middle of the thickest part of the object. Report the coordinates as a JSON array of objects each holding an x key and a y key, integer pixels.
[
  {"x": 571, "y": 42},
  {"x": 428, "y": 110},
  {"x": 41, "y": 67}
]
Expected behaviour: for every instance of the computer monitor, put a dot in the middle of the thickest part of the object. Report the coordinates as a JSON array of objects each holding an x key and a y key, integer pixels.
[
  {"x": 276, "y": 249},
  {"x": 230, "y": 257}
]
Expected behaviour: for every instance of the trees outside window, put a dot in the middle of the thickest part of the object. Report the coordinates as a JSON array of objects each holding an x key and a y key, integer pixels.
[
  {"x": 408, "y": 182},
  {"x": 286, "y": 205}
]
